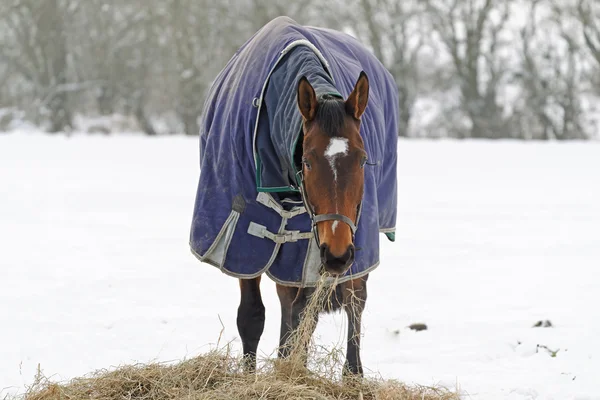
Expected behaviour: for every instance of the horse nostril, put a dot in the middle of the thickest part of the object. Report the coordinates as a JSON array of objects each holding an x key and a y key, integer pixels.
[
  {"x": 336, "y": 263},
  {"x": 350, "y": 252},
  {"x": 324, "y": 251},
  {"x": 348, "y": 256}
]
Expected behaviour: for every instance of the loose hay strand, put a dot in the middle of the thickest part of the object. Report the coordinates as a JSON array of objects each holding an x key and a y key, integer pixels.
[{"x": 301, "y": 339}]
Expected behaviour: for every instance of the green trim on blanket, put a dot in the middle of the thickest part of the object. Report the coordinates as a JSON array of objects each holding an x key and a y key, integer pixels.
[
  {"x": 293, "y": 153},
  {"x": 257, "y": 172},
  {"x": 278, "y": 189},
  {"x": 391, "y": 236}
]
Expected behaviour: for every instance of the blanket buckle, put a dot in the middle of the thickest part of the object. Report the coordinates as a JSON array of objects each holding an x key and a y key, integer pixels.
[{"x": 280, "y": 238}]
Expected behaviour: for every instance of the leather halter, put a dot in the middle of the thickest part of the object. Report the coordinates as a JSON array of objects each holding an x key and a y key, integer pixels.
[{"x": 316, "y": 218}]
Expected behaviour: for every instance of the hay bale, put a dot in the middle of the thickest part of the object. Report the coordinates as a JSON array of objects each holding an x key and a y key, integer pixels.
[{"x": 218, "y": 376}]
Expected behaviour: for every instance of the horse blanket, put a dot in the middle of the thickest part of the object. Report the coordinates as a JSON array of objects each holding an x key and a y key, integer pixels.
[{"x": 249, "y": 217}]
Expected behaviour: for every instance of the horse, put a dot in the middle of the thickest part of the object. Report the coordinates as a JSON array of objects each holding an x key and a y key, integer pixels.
[{"x": 297, "y": 176}]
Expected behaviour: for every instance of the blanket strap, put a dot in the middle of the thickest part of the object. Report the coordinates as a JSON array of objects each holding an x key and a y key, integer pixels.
[
  {"x": 266, "y": 200},
  {"x": 285, "y": 237}
]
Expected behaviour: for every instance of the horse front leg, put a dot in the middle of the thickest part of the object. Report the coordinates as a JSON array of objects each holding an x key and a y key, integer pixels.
[
  {"x": 293, "y": 302},
  {"x": 354, "y": 300},
  {"x": 286, "y": 296},
  {"x": 250, "y": 320}
]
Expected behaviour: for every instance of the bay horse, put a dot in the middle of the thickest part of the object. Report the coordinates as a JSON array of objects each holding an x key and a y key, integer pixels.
[
  {"x": 289, "y": 127},
  {"x": 332, "y": 166}
]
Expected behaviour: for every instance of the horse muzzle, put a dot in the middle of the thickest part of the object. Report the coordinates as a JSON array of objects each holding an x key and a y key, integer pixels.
[{"x": 336, "y": 264}]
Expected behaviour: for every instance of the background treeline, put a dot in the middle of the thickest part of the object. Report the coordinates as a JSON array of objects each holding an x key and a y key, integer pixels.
[{"x": 527, "y": 69}]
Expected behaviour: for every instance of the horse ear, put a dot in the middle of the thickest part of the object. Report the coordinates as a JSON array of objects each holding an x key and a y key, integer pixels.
[
  {"x": 307, "y": 99},
  {"x": 357, "y": 101}
]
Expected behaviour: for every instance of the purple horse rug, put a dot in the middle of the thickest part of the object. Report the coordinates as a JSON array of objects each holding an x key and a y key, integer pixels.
[{"x": 249, "y": 216}]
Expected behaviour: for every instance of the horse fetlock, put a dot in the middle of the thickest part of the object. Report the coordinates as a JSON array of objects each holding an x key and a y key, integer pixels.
[
  {"x": 249, "y": 362},
  {"x": 352, "y": 369}
]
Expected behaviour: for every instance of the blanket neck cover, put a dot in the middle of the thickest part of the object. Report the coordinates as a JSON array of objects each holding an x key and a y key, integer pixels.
[{"x": 248, "y": 217}]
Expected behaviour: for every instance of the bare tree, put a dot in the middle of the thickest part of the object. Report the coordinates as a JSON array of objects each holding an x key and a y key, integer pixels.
[
  {"x": 391, "y": 29},
  {"x": 470, "y": 33},
  {"x": 38, "y": 53},
  {"x": 532, "y": 120},
  {"x": 461, "y": 68},
  {"x": 123, "y": 56},
  {"x": 551, "y": 73},
  {"x": 105, "y": 36},
  {"x": 588, "y": 13},
  {"x": 200, "y": 49},
  {"x": 5, "y": 73},
  {"x": 253, "y": 14}
]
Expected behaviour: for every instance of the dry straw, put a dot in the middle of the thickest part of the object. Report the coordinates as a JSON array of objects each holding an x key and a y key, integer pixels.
[{"x": 218, "y": 375}]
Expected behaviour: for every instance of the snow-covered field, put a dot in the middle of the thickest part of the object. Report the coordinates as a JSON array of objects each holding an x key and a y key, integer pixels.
[{"x": 95, "y": 269}]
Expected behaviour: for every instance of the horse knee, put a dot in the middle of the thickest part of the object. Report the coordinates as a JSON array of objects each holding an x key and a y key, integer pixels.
[
  {"x": 354, "y": 297},
  {"x": 251, "y": 314}
]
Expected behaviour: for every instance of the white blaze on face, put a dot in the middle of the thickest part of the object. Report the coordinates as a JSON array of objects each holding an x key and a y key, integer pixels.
[{"x": 337, "y": 147}]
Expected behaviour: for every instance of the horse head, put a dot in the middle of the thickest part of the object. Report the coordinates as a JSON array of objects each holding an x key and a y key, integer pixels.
[{"x": 333, "y": 160}]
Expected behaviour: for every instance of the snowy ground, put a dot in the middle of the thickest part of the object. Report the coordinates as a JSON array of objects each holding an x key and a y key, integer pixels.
[{"x": 492, "y": 237}]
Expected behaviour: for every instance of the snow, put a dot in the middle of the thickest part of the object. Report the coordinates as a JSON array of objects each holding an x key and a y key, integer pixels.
[{"x": 492, "y": 237}]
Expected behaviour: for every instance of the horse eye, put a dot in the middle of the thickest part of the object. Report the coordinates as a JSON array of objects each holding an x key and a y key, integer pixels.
[
  {"x": 363, "y": 161},
  {"x": 306, "y": 163}
]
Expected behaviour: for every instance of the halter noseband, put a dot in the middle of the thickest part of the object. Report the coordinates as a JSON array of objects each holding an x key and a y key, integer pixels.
[{"x": 316, "y": 218}]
